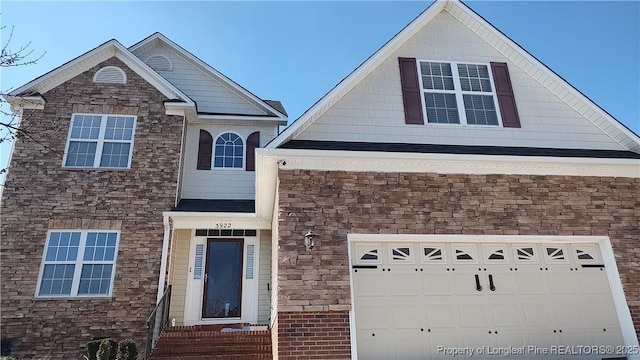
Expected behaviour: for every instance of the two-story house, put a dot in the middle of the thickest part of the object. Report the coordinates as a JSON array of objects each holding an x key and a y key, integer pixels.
[
  {"x": 134, "y": 132},
  {"x": 451, "y": 194}
]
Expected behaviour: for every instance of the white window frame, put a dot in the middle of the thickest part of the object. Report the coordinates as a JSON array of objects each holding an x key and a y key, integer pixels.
[
  {"x": 79, "y": 262},
  {"x": 458, "y": 93},
  {"x": 100, "y": 141},
  {"x": 244, "y": 152}
]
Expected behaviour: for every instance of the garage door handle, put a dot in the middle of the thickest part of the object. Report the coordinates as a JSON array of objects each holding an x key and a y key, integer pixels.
[
  {"x": 491, "y": 287},
  {"x": 478, "y": 287}
]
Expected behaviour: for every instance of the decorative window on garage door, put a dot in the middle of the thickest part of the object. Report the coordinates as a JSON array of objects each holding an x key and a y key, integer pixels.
[
  {"x": 585, "y": 254},
  {"x": 495, "y": 253},
  {"x": 368, "y": 253},
  {"x": 555, "y": 254},
  {"x": 401, "y": 253},
  {"x": 432, "y": 254},
  {"x": 464, "y": 254},
  {"x": 525, "y": 254}
]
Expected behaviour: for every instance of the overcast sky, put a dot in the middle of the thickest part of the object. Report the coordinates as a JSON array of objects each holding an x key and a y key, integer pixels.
[{"x": 297, "y": 51}]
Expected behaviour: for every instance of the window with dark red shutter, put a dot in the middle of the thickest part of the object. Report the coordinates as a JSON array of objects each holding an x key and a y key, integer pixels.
[
  {"x": 504, "y": 92},
  {"x": 411, "y": 92},
  {"x": 205, "y": 150},
  {"x": 253, "y": 142}
]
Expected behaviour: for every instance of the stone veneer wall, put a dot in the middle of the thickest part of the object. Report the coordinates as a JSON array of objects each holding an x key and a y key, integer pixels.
[
  {"x": 336, "y": 203},
  {"x": 41, "y": 195}
]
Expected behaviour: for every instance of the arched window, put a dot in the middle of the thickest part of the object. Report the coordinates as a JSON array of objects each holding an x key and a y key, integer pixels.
[{"x": 229, "y": 152}]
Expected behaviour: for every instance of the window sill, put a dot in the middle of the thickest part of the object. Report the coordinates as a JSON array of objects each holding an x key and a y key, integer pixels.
[
  {"x": 101, "y": 297},
  {"x": 72, "y": 168}
]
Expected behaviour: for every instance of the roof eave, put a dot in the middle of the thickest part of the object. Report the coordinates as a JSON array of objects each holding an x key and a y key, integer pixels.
[{"x": 111, "y": 48}]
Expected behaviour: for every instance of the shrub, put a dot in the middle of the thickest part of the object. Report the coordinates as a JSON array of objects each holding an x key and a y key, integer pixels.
[{"x": 127, "y": 350}]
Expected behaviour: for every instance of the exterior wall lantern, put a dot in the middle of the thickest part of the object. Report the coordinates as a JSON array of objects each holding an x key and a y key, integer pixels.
[{"x": 310, "y": 240}]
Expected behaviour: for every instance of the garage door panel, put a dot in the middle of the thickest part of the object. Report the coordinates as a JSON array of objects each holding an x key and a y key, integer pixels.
[
  {"x": 437, "y": 284},
  {"x": 375, "y": 345},
  {"x": 511, "y": 338},
  {"x": 400, "y": 284},
  {"x": 562, "y": 282},
  {"x": 465, "y": 283},
  {"x": 537, "y": 314},
  {"x": 369, "y": 283},
  {"x": 531, "y": 282},
  {"x": 440, "y": 316},
  {"x": 504, "y": 281},
  {"x": 442, "y": 339},
  {"x": 605, "y": 336},
  {"x": 506, "y": 314},
  {"x": 473, "y": 315},
  {"x": 406, "y": 316},
  {"x": 409, "y": 345},
  {"x": 599, "y": 311},
  {"x": 574, "y": 337},
  {"x": 592, "y": 281},
  {"x": 373, "y": 317},
  {"x": 569, "y": 314},
  {"x": 476, "y": 338},
  {"x": 543, "y": 339}
]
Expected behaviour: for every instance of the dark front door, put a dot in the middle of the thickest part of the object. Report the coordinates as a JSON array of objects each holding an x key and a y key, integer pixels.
[{"x": 223, "y": 278}]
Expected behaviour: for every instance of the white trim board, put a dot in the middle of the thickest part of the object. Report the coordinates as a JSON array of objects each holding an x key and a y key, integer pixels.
[{"x": 290, "y": 159}]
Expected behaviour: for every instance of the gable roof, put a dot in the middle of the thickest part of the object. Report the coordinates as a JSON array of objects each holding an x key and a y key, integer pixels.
[
  {"x": 503, "y": 44},
  {"x": 157, "y": 38},
  {"x": 82, "y": 63}
]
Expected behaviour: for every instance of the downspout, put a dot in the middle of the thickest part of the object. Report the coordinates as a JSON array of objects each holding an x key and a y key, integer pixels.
[{"x": 163, "y": 260}]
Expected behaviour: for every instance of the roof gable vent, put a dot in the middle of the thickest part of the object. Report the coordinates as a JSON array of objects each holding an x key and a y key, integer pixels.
[
  {"x": 159, "y": 63},
  {"x": 110, "y": 75}
]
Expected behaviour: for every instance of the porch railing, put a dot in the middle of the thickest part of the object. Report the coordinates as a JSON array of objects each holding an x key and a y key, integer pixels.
[{"x": 157, "y": 321}]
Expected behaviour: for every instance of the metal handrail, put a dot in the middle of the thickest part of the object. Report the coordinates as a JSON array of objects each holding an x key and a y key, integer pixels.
[{"x": 157, "y": 321}]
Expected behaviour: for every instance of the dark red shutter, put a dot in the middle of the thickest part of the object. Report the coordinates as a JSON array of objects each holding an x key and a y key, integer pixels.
[
  {"x": 504, "y": 91},
  {"x": 205, "y": 150},
  {"x": 253, "y": 142},
  {"x": 411, "y": 93}
]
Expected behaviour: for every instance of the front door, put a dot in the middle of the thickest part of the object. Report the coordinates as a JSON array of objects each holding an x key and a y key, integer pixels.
[{"x": 223, "y": 279}]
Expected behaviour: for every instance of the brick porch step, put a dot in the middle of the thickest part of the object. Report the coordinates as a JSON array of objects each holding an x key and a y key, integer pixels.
[{"x": 211, "y": 342}]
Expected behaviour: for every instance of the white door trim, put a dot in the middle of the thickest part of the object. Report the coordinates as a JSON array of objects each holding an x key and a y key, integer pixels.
[
  {"x": 622, "y": 309},
  {"x": 192, "y": 313}
]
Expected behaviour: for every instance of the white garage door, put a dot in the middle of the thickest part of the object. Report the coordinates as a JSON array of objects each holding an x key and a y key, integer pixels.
[{"x": 528, "y": 301}]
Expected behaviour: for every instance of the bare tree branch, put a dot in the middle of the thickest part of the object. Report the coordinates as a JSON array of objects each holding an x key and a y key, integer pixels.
[
  {"x": 12, "y": 124},
  {"x": 17, "y": 57}
]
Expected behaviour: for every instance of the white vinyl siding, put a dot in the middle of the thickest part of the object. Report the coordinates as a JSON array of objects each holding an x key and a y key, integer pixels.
[
  {"x": 219, "y": 183},
  {"x": 211, "y": 94},
  {"x": 373, "y": 110},
  {"x": 178, "y": 272},
  {"x": 264, "y": 281}
]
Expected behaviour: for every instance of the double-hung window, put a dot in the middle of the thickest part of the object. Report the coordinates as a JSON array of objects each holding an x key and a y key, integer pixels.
[
  {"x": 78, "y": 263},
  {"x": 458, "y": 93},
  {"x": 100, "y": 141}
]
